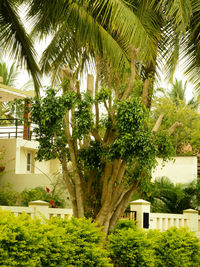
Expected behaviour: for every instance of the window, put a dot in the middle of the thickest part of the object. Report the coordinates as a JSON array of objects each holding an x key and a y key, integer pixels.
[{"x": 28, "y": 165}]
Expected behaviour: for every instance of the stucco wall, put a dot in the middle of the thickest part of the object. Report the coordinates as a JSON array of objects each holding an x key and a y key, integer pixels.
[
  {"x": 9, "y": 145},
  {"x": 16, "y": 157},
  {"x": 178, "y": 170},
  {"x": 16, "y": 174},
  {"x": 22, "y": 181}
]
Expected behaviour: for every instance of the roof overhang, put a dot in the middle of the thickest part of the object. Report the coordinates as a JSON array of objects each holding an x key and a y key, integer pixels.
[{"x": 8, "y": 93}]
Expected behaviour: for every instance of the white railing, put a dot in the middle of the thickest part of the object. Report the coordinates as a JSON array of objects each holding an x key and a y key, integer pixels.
[
  {"x": 163, "y": 221},
  {"x": 159, "y": 221},
  {"x": 39, "y": 209}
]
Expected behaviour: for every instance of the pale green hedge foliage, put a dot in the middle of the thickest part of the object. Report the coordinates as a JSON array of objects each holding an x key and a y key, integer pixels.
[
  {"x": 27, "y": 242},
  {"x": 172, "y": 248},
  {"x": 176, "y": 247}
]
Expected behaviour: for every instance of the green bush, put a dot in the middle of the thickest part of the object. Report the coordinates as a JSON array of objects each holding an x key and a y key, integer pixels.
[
  {"x": 8, "y": 197},
  {"x": 39, "y": 193},
  {"x": 177, "y": 247},
  {"x": 125, "y": 224},
  {"x": 172, "y": 248},
  {"x": 27, "y": 242},
  {"x": 129, "y": 247}
]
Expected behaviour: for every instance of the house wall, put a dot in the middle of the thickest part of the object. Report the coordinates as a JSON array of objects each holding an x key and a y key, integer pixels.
[
  {"x": 16, "y": 157},
  {"x": 26, "y": 181},
  {"x": 9, "y": 158},
  {"x": 41, "y": 174},
  {"x": 178, "y": 170}
]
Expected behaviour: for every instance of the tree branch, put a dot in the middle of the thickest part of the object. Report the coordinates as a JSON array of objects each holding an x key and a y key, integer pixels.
[
  {"x": 131, "y": 81},
  {"x": 173, "y": 127},
  {"x": 145, "y": 92},
  {"x": 117, "y": 85},
  {"x": 90, "y": 84},
  {"x": 97, "y": 136},
  {"x": 96, "y": 89},
  {"x": 70, "y": 186},
  {"x": 158, "y": 123}
]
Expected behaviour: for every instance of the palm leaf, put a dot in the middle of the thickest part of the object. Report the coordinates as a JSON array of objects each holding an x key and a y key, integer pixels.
[{"x": 14, "y": 39}]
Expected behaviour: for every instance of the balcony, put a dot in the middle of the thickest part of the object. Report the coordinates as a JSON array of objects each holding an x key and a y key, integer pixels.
[{"x": 14, "y": 128}]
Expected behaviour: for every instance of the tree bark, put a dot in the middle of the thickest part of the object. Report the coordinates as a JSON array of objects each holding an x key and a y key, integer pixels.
[
  {"x": 145, "y": 93},
  {"x": 96, "y": 89},
  {"x": 173, "y": 127},
  {"x": 158, "y": 123},
  {"x": 131, "y": 81},
  {"x": 77, "y": 180}
]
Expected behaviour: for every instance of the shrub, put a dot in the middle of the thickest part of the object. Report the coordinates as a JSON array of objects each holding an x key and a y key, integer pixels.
[
  {"x": 129, "y": 247},
  {"x": 27, "y": 242},
  {"x": 177, "y": 247},
  {"x": 125, "y": 224},
  {"x": 39, "y": 193},
  {"x": 8, "y": 197}
]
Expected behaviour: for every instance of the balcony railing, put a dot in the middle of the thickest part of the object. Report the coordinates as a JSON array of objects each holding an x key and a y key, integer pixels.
[
  {"x": 14, "y": 128},
  {"x": 131, "y": 215}
]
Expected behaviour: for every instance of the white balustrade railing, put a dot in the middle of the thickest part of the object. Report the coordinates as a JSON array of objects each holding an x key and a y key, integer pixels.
[
  {"x": 163, "y": 221},
  {"x": 40, "y": 209},
  {"x": 141, "y": 208}
]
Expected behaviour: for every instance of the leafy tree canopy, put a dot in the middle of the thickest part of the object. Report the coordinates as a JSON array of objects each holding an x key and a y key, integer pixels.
[
  {"x": 103, "y": 141},
  {"x": 186, "y": 138}
]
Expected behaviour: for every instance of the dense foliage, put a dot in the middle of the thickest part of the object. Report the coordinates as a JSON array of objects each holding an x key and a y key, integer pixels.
[
  {"x": 167, "y": 197},
  {"x": 101, "y": 156},
  {"x": 131, "y": 248},
  {"x": 9, "y": 197},
  {"x": 40, "y": 193},
  {"x": 174, "y": 247},
  {"x": 27, "y": 242},
  {"x": 78, "y": 242},
  {"x": 177, "y": 247},
  {"x": 186, "y": 138}
]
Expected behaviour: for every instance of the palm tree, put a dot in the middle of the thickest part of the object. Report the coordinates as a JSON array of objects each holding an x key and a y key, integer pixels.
[
  {"x": 168, "y": 197},
  {"x": 82, "y": 30},
  {"x": 15, "y": 40},
  {"x": 177, "y": 93},
  {"x": 10, "y": 76}
]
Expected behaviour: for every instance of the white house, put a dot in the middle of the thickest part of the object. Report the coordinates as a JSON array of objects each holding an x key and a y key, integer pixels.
[
  {"x": 21, "y": 168},
  {"x": 179, "y": 169}
]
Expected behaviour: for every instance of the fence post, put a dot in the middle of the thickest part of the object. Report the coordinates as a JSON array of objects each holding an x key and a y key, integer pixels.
[
  {"x": 142, "y": 209},
  {"x": 40, "y": 208},
  {"x": 192, "y": 217}
]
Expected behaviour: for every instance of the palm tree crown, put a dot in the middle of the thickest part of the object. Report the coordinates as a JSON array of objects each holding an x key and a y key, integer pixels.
[{"x": 15, "y": 40}]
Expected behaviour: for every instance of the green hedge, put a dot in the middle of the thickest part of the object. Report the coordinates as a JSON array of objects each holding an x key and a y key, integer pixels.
[
  {"x": 177, "y": 247},
  {"x": 129, "y": 247},
  {"x": 27, "y": 242},
  {"x": 172, "y": 248},
  {"x": 78, "y": 242}
]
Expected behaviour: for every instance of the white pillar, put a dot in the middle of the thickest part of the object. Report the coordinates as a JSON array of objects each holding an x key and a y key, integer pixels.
[
  {"x": 40, "y": 208},
  {"x": 192, "y": 219},
  {"x": 140, "y": 206}
]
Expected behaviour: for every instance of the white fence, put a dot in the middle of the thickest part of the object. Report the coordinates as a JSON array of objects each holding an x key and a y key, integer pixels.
[
  {"x": 163, "y": 221},
  {"x": 144, "y": 218},
  {"x": 40, "y": 209}
]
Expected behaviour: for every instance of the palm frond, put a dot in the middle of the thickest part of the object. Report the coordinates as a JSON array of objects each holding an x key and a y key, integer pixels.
[{"x": 14, "y": 39}]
